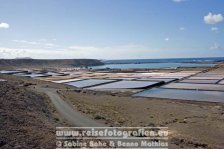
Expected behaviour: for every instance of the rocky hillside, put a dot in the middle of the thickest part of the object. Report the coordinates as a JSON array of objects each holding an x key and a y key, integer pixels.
[
  {"x": 38, "y": 63},
  {"x": 26, "y": 118}
]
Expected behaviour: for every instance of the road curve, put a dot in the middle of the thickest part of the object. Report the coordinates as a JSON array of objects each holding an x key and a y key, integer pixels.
[{"x": 73, "y": 116}]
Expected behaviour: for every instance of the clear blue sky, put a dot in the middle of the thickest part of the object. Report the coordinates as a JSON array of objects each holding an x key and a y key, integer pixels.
[{"x": 111, "y": 29}]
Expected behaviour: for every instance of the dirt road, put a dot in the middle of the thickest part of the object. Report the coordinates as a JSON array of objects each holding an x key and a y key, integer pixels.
[{"x": 67, "y": 112}]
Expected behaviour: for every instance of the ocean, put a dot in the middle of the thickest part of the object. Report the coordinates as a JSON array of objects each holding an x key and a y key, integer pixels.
[
  {"x": 167, "y": 60},
  {"x": 158, "y": 63}
]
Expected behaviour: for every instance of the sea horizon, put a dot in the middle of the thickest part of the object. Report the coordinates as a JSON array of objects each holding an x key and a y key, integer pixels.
[{"x": 164, "y": 60}]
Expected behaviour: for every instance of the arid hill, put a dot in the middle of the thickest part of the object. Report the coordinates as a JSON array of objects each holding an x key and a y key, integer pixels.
[
  {"x": 39, "y": 63},
  {"x": 26, "y": 118}
]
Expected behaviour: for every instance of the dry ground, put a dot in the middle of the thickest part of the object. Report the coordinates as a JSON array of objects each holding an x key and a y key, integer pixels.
[
  {"x": 191, "y": 124},
  {"x": 27, "y": 118}
]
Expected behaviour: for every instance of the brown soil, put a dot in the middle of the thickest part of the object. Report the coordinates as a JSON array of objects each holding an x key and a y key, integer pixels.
[
  {"x": 191, "y": 124},
  {"x": 27, "y": 119}
]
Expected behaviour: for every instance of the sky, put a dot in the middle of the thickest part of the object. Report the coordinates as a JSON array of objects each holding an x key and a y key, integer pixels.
[{"x": 111, "y": 29}]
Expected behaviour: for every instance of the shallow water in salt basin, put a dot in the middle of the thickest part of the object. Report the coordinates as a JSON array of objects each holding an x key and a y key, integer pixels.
[{"x": 195, "y": 95}]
